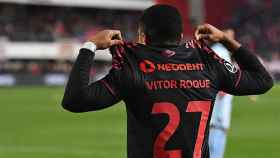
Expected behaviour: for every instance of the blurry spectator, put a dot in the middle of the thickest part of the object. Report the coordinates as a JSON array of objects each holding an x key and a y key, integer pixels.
[
  {"x": 258, "y": 26},
  {"x": 274, "y": 65},
  {"x": 49, "y": 23}
]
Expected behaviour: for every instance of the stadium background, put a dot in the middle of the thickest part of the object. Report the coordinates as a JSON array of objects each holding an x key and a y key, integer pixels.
[{"x": 39, "y": 40}]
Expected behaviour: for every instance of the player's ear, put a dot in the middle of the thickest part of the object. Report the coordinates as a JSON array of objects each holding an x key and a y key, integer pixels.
[
  {"x": 182, "y": 36},
  {"x": 141, "y": 37}
]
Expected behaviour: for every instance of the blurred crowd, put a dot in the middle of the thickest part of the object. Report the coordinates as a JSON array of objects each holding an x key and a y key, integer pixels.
[
  {"x": 257, "y": 25},
  {"x": 32, "y": 23},
  {"x": 21, "y": 69},
  {"x": 44, "y": 23},
  {"x": 37, "y": 67}
]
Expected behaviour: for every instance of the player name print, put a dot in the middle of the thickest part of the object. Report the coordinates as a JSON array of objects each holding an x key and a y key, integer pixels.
[
  {"x": 172, "y": 84},
  {"x": 147, "y": 66}
]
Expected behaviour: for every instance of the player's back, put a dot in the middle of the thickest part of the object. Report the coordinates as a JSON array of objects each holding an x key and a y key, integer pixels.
[{"x": 170, "y": 102}]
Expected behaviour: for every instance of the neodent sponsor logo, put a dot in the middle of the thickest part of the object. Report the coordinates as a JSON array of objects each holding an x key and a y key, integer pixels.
[
  {"x": 180, "y": 67},
  {"x": 147, "y": 66}
]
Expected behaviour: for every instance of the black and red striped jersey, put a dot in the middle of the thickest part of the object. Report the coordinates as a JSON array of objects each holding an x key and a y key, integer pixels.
[{"x": 169, "y": 93}]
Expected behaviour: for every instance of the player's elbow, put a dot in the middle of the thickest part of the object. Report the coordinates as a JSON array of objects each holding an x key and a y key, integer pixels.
[
  {"x": 267, "y": 85},
  {"x": 264, "y": 84},
  {"x": 71, "y": 105}
]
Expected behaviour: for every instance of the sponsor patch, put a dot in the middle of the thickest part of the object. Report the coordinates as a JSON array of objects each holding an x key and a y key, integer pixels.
[{"x": 231, "y": 68}]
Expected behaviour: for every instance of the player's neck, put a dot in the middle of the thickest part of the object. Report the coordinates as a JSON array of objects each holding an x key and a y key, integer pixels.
[{"x": 165, "y": 44}]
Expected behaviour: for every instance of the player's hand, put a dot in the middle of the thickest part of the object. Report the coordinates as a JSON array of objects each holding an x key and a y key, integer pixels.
[
  {"x": 210, "y": 33},
  {"x": 106, "y": 39}
]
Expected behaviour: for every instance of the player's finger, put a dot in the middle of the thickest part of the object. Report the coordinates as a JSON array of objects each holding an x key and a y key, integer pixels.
[
  {"x": 203, "y": 36},
  {"x": 116, "y": 34},
  {"x": 200, "y": 29},
  {"x": 196, "y": 33},
  {"x": 116, "y": 42}
]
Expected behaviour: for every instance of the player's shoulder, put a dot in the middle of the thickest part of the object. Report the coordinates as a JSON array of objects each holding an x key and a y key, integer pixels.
[
  {"x": 205, "y": 52},
  {"x": 192, "y": 44},
  {"x": 120, "y": 54}
]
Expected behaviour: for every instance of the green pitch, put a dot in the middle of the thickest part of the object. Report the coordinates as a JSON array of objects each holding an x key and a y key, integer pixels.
[{"x": 33, "y": 125}]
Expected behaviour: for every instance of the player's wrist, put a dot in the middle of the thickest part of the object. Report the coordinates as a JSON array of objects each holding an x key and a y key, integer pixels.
[
  {"x": 230, "y": 43},
  {"x": 224, "y": 37},
  {"x": 90, "y": 46}
]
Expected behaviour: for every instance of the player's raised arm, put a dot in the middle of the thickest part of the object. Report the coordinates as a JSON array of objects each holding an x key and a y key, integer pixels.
[
  {"x": 252, "y": 78},
  {"x": 79, "y": 95}
]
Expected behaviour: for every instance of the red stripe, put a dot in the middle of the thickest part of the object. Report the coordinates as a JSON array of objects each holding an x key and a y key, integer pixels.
[
  {"x": 108, "y": 87},
  {"x": 117, "y": 58},
  {"x": 239, "y": 78}
]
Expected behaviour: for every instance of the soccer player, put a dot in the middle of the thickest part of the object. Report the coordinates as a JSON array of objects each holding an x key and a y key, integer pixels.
[
  {"x": 168, "y": 88},
  {"x": 221, "y": 115}
]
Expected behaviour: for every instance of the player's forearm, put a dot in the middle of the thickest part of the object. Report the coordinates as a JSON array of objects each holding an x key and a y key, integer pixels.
[
  {"x": 79, "y": 95},
  {"x": 247, "y": 60},
  {"x": 254, "y": 79},
  {"x": 78, "y": 80},
  {"x": 230, "y": 43},
  {"x": 252, "y": 69}
]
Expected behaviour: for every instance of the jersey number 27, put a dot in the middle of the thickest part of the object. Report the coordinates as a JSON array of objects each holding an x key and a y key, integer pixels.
[{"x": 174, "y": 119}]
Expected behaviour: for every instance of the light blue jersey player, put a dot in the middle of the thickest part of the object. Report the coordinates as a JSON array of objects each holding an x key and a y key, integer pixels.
[{"x": 220, "y": 121}]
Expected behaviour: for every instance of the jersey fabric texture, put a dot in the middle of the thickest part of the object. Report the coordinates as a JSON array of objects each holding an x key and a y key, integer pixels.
[{"x": 169, "y": 93}]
